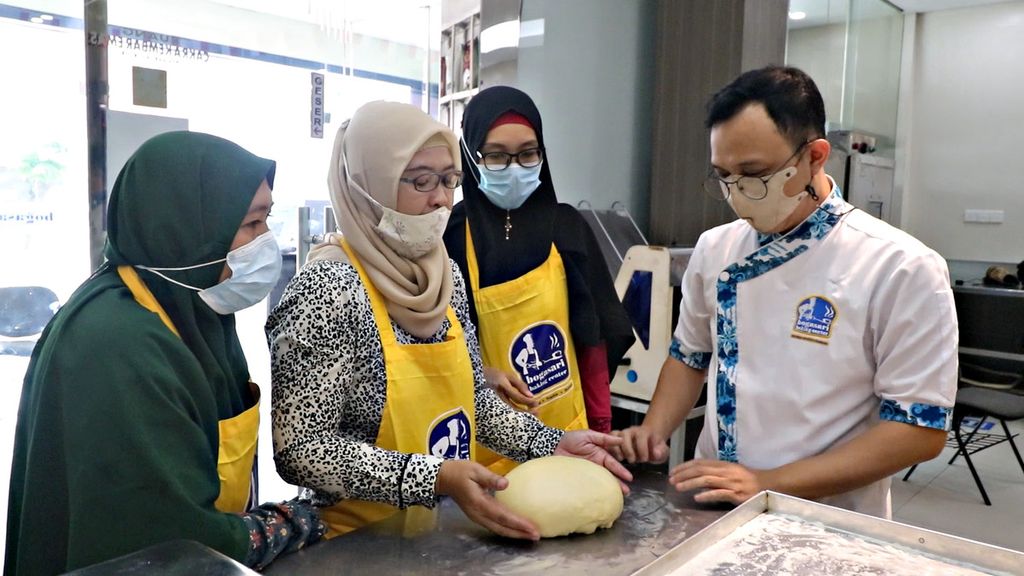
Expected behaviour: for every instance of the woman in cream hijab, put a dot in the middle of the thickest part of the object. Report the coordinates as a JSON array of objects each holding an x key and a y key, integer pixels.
[{"x": 378, "y": 386}]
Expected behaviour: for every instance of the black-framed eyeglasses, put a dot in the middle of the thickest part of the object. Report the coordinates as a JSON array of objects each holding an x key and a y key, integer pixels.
[
  {"x": 753, "y": 187},
  {"x": 428, "y": 182},
  {"x": 498, "y": 161}
]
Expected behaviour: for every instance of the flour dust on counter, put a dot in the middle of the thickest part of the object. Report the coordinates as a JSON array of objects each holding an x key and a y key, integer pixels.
[{"x": 782, "y": 544}]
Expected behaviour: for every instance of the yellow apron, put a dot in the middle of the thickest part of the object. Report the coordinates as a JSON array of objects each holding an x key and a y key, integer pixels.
[
  {"x": 237, "y": 444},
  {"x": 429, "y": 407},
  {"x": 523, "y": 325}
]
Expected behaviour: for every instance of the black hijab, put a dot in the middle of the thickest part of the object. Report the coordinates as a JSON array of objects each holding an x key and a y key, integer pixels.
[{"x": 595, "y": 313}]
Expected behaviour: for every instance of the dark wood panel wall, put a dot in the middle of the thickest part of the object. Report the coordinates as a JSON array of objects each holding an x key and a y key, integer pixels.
[{"x": 701, "y": 46}]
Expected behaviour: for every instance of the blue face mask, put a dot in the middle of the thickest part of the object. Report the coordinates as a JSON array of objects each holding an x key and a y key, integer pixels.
[{"x": 509, "y": 188}]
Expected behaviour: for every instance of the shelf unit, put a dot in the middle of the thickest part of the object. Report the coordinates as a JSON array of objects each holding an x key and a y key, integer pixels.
[{"x": 460, "y": 70}]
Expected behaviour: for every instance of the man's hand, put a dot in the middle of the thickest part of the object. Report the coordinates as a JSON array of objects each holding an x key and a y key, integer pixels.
[
  {"x": 720, "y": 481},
  {"x": 469, "y": 483},
  {"x": 593, "y": 446},
  {"x": 640, "y": 444},
  {"x": 511, "y": 389}
]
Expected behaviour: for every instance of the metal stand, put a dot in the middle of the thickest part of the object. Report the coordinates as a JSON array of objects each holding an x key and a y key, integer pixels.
[{"x": 975, "y": 442}]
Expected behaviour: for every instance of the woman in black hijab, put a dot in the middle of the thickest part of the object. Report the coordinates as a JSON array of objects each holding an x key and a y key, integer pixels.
[{"x": 534, "y": 266}]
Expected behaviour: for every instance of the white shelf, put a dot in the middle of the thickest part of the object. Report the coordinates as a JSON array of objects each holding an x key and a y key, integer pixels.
[
  {"x": 460, "y": 53},
  {"x": 463, "y": 95}
]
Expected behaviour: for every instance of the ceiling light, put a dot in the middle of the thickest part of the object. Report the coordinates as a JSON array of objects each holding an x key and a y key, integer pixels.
[
  {"x": 36, "y": 20},
  {"x": 46, "y": 17},
  {"x": 797, "y": 15}
]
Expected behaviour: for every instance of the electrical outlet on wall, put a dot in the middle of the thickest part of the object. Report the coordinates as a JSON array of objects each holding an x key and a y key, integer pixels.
[{"x": 984, "y": 216}]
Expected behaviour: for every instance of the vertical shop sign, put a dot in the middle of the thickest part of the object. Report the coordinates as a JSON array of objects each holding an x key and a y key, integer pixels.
[{"x": 316, "y": 103}]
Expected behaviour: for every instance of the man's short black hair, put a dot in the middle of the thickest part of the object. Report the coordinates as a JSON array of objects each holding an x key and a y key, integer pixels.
[{"x": 788, "y": 94}]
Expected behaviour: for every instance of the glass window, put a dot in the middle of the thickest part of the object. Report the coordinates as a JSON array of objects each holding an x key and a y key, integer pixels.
[
  {"x": 240, "y": 69},
  {"x": 44, "y": 236}
]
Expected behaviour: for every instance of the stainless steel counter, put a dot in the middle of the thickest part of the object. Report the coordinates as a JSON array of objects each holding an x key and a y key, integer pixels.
[
  {"x": 173, "y": 558},
  {"x": 443, "y": 541}
]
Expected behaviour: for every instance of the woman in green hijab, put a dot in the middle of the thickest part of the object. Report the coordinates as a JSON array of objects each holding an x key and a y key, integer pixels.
[{"x": 138, "y": 422}]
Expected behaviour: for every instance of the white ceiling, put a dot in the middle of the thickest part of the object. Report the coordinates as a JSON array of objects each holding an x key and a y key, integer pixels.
[
  {"x": 935, "y": 5},
  {"x": 402, "y": 21},
  {"x": 821, "y": 12}
]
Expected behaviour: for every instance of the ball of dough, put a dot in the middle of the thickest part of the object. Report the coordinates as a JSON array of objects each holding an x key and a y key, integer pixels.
[{"x": 562, "y": 495}]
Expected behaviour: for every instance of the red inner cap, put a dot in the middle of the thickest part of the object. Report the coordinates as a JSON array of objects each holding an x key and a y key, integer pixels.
[{"x": 511, "y": 117}]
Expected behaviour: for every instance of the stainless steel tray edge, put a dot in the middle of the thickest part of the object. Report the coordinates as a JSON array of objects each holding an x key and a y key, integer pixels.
[
  {"x": 947, "y": 546},
  {"x": 717, "y": 530}
]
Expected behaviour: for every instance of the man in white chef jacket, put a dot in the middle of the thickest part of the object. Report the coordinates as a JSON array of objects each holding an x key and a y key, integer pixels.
[{"x": 828, "y": 337}]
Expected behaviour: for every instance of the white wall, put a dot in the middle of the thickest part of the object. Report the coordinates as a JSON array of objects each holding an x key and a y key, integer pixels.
[
  {"x": 966, "y": 132},
  {"x": 592, "y": 79}
]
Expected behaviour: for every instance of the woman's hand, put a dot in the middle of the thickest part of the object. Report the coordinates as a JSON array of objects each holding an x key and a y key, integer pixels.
[
  {"x": 469, "y": 484},
  {"x": 594, "y": 446},
  {"x": 511, "y": 389}
]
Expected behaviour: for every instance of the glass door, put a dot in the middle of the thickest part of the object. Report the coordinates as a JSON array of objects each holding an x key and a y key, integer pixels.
[{"x": 278, "y": 78}]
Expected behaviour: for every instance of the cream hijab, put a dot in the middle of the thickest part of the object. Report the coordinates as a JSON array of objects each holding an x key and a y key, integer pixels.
[{"x": 376, "y": 145}]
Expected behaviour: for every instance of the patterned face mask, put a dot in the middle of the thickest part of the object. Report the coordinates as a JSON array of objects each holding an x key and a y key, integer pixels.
[
  {"x": 766, "y": 214},
  {"x": 411, "y": 236}
]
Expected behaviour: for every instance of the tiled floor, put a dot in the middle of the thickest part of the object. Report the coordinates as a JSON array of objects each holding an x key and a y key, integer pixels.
[{"x": 945, "y": 498}]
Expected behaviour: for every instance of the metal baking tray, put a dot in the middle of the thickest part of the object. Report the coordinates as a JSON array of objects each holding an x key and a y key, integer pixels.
[{"x": 960, "y": 554}]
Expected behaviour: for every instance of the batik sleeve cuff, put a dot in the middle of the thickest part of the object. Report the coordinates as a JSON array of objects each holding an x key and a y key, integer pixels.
[
  {"x": 695, "y": 360},
  {"x": 916, "y": 413}
]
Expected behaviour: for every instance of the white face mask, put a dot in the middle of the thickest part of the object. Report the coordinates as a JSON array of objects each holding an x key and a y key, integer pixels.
[
  {"x": 255, "y": 269},
  {"x": 766, "y": 214}
]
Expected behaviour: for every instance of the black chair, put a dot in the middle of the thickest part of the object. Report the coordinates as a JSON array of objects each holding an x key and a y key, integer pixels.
[
  {"x": 985, "y": 395},
  {"x": 24, "y": 312},
  {"x": 991, "y": 329},
  {"x": 987, "y": 403}
]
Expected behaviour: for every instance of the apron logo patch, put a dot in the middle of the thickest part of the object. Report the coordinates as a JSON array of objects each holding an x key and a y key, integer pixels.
[
  {"x": 538, "y": 355},
  {"x": 449, "y": 436},
  {"x": 815, "y": 316}
]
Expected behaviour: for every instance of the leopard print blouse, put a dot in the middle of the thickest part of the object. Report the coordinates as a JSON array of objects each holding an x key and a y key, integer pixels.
[{"x": 329, "y": 388}]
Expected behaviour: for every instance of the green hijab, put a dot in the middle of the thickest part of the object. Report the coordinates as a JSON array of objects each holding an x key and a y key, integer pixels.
[
  {"x": 116, "y": 443},
  {"x": 178, "y": 202}
]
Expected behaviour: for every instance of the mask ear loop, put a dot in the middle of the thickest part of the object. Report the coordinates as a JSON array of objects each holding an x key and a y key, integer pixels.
[
  {"x": 465, "y": 147},
  {"x": 157, "y": 271},
  {"x": 810, "y": 184}
]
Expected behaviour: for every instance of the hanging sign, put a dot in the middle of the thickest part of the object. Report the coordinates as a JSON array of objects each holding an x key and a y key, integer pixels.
[{"x": 316, "y": 103}]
